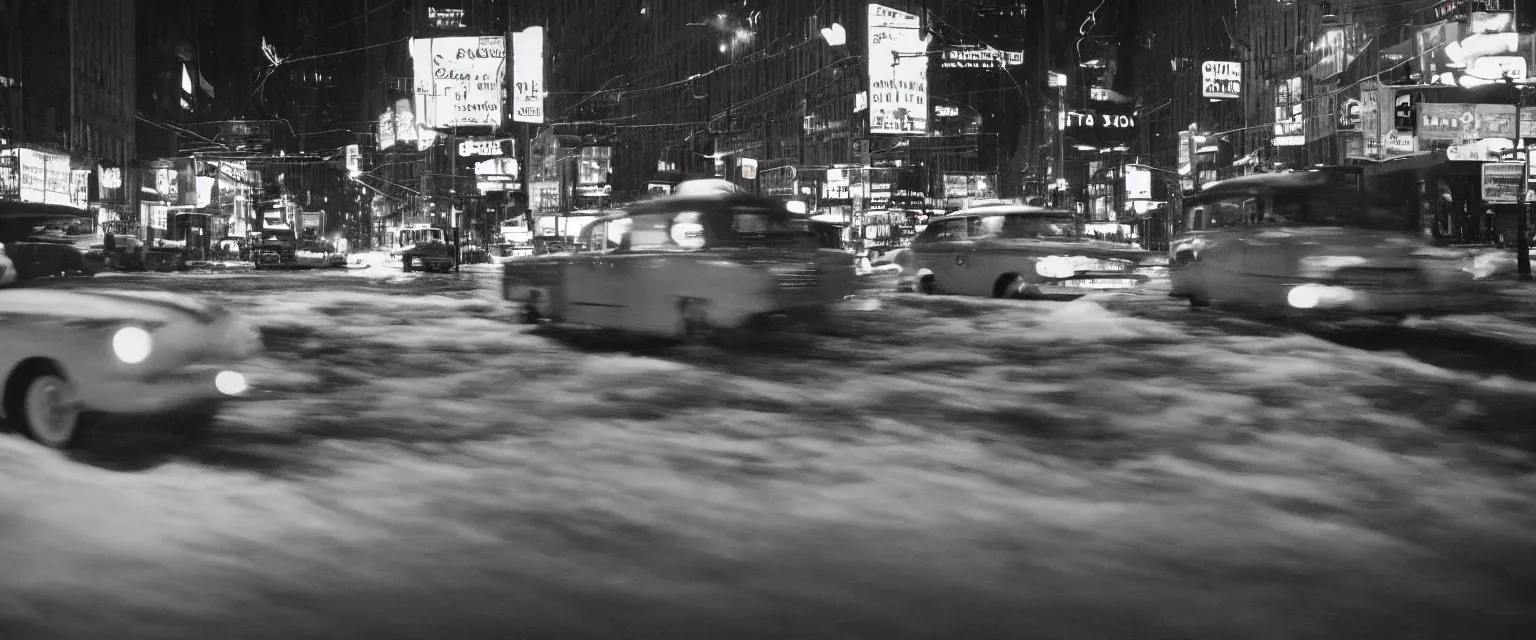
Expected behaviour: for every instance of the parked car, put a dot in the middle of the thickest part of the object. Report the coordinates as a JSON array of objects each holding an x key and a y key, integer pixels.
[
  {"x": 424, "y": 248},
  {"x": 1308, "y": 243},
  {"x": 72, "y": 359},
  {"x": 37, "y": 245},
  {"x": 684, "y": 266},
  {"x": 1018, "y": 251}
]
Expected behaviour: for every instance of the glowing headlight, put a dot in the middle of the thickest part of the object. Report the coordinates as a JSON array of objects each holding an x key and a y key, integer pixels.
[
  {"x": 230, "y": 383},
  {"x": 1054, "y": 268},
  {"x": 1312, "y": 296},
  {"x": 132, "y": 345}
]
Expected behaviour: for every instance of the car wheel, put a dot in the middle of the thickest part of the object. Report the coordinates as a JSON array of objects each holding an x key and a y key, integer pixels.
[
  {"x": 405, "y": 264},
  {"x": 44, "y": 406},
  {"x": 928, "y": 286}
]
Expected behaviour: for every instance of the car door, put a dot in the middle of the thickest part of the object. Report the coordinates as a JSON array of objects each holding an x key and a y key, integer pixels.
[
  {"x": 969, "y": 271},
  {"x": 589, "y": 280},
  {"x": 939, "y": 255}
]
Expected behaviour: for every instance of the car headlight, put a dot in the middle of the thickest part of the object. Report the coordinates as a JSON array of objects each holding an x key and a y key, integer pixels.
[
  {"x": 132, "y": 345},
  {"x": 1054, "y": 268}
]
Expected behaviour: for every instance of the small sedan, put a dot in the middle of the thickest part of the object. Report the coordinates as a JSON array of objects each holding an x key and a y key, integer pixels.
[
  {"x": 71, "y": 360},
  {"x": 1018, "y": 251}
]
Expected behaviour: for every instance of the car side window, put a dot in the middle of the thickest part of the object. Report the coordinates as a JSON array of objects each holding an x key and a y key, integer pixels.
[
  {"x": 974, "y": 229},
  {"x": 953, "y": 230}
]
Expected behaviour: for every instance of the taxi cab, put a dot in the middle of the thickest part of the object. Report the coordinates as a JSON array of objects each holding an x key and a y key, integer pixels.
[
  {"x": 685, "y": 266},
  {"x": 1018, "y": 251},
  {"x": 1313, "y": 243}
]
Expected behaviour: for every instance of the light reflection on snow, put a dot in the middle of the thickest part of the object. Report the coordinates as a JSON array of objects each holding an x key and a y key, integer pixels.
[{"x": 1050, "y": 454}]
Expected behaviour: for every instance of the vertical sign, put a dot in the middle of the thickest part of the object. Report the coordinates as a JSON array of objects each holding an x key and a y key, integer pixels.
[
  {"x": 387, "y": 129},
  {"x": 528, "y": 75},
  {"x": 459, "y": 80},
  {"x": 354, "y": 158},
  {"x": 898, "y": 72}
]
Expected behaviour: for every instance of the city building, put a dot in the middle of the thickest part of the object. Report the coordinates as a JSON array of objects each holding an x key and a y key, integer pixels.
[{"x": 68, "y": 84}]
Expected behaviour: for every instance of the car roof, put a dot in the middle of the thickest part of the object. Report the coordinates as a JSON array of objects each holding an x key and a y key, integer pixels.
[
  {"x": 1263, "y": 182},
  {"x": 1007, "y": 209}
]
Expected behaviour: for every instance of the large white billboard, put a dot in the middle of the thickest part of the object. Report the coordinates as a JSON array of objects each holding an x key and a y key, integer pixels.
[
  {"x": 528, "y": 75},
  {"x": 898, "y": 72},
  {"x": 459, "y": 80}
]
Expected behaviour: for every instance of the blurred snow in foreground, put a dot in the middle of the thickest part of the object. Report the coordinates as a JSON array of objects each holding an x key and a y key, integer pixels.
[{"x": 1051, "y": 468}]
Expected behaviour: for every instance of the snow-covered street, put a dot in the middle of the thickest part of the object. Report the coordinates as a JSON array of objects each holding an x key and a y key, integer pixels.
[{"x": 421, "y": 466}]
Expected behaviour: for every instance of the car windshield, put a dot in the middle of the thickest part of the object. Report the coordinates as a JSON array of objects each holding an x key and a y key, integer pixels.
[{"x": 1031, "y": 226}]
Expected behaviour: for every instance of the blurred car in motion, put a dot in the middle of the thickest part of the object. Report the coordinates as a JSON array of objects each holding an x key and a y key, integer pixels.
[
  {"x": 683, "y": 266},
  {"x": 1018, "y": 251},
  {"x": 424, "y": 248},
  {"x": 1309, "y": 243},
  {"x": 71, "y": 360},
  {"x": 36, "y": 239}
]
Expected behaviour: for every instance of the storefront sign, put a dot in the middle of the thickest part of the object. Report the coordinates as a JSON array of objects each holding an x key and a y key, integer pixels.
[
  {"x": 897, "y": 58},
  {"x": 1089, "y": 119},
  {"x": 1289, "y": 109},
  {"x": 1221, "y": 80},
  {"x": 1494, "y": 120},
  {"x": 1447, "y": 121},
  {"x": 459, "y": 80},
  {"x": 80, "y": 188},
  {"x": 487, "y": 147},
  {"x": 945, "y": 112},
  {"x": 979, "y": 57},
  {"x": 528, "y": 75},
  {"x": 354, "y": 158},
  {"x": 1502, "y": 181},
  {"x": 497, "y": 170}
]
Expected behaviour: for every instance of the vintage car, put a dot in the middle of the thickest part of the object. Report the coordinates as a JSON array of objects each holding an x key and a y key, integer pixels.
[
  {"x": 1018, "y": 251},
  {"x": 685, "y": 266},
  {"x": 424, "y": 248},
  {"x": 44, "y": 250},
  {"x": 74, "y": 359},
  {"x": 1313, "y": 243}
]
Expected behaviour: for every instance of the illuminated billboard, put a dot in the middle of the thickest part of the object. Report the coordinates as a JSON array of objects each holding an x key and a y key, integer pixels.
[
  {"x": 898, "y": 72},
  {"x": 459, "y": 80}
]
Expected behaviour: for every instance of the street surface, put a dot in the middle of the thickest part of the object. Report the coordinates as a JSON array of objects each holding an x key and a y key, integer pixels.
[{"x": 423, "y": 467}]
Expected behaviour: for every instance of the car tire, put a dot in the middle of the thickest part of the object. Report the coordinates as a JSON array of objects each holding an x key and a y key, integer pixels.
[
  {"x": 928, "y": 286},
  {"x": 405, "y": 264},
  {"x": 43, "y": 405}
]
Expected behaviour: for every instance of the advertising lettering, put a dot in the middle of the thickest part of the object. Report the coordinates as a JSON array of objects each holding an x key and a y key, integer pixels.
[
  {"x": 483, "y": 147},
  {"x": 1080, "y": 119},
  {"x": 1447, "y": 121},
  {"x": 979, "y": 57},
  {"x": 528, "y": 75},
  {"x": 898, "y": 72},
  {"x": 1502, "y": 181},
  {"x": 1221, "y": 80},
  {"x": 459, "y": 80}
]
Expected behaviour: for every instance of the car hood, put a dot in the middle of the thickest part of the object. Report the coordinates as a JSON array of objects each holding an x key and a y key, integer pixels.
[{"x": 111, "y": 306}]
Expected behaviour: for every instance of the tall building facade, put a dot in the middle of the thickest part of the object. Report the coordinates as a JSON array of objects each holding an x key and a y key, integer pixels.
[{"x": 69, "y": 121}]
